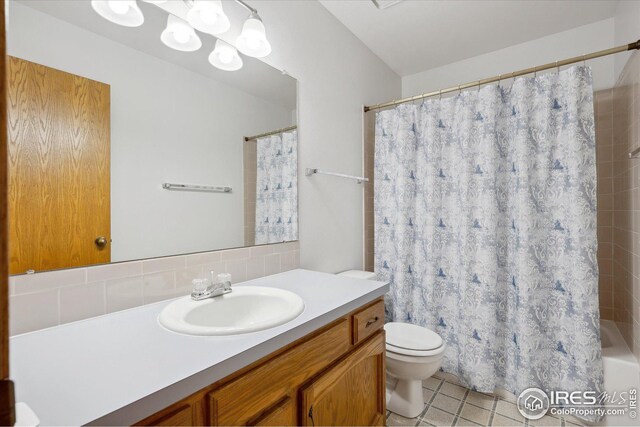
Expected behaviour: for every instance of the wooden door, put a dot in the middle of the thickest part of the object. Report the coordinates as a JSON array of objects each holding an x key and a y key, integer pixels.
[
  {"x": 351, "y": 393},
  {"x": 59, "y": 189}
]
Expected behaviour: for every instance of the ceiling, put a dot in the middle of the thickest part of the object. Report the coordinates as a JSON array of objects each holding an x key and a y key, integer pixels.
[
  {"x": 255, "y": 77},
  {"x": 417, "y": 35}
]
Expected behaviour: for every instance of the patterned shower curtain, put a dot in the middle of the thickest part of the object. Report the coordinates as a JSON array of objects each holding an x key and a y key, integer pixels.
[
  {"x": 277, "y": 188},
  {"x": 485, "y": 223}
]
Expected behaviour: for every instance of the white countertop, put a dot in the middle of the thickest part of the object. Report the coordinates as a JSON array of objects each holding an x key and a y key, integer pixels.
[{"x": 119, "y": 368}]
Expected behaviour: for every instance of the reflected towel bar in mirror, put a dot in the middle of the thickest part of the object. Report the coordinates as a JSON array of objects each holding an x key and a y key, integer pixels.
[
  {"x": 635, "y": 153},
  {"x": 312, "y": 171},
  {"x": 193, "y": 187}
]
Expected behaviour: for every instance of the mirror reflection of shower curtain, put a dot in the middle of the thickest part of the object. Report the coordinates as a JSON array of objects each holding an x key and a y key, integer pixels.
[
  {"x": 277, "y": 188},
  {"x": 485, "y": 227}
]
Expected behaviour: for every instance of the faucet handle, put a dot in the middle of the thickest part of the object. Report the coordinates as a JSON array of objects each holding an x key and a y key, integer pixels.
[
  {"x": 225, "y": 278},
  {"x": 200, "y": 286}
]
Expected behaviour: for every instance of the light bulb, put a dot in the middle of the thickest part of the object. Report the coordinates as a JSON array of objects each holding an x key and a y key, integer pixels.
[
  {"x": 119, "y": 7},
  {"x": 225, "y": 57},
  {"x": 180, "y": 36},
  {"x": 121, "y": 12},
  {"x": 253, "y": 39},
  {"x": 208, "y": 17}
]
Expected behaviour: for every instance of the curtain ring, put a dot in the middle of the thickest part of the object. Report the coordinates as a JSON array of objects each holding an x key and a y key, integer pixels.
[
  {"x": 440, "y": 95},
  {"x": 459, "y": 91},
  {"x": 499, "y": 79},
  {"x": 557, "y": 68},
  {"x": 478, "y": 85},
  {"x": 535, "y": 72},
  {"x": 584, "y": 59}
]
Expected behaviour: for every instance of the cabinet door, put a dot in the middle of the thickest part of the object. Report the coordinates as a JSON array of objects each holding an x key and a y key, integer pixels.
[{"x": 352, "y": 392}]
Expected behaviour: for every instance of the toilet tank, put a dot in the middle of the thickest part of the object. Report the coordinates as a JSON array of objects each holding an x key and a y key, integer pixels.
[{"x": 359, "y": 274}]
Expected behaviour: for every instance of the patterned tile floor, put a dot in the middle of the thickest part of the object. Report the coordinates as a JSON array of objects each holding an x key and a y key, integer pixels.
[{"x": 449, "y": 404}]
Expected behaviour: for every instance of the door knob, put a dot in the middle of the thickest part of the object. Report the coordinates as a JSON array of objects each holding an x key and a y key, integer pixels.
[{"x": 101, "y": 241}]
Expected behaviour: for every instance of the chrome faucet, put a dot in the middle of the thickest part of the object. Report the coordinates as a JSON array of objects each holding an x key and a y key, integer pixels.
[{"x": 203, "y": 288}]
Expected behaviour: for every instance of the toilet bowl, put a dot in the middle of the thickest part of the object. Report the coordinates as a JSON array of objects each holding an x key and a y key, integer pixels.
[{"x": 414, "y": 354}]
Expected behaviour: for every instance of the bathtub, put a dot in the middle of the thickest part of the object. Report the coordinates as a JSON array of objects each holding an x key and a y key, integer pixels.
[{"x": 621, "y": 370}]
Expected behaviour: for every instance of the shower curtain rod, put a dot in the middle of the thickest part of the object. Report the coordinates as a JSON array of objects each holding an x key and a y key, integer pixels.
[
  {"x": 478, "y": 83},
  {"x": 273, "y": 132}
]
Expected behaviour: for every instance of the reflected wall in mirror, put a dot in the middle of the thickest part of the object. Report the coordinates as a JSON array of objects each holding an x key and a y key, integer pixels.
[{"x": 101, "y": 116}]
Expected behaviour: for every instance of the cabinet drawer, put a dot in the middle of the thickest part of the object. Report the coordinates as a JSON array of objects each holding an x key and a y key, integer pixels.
[
  {"x": 255, "y": 392},
  {"x": 367, "y": 321}
]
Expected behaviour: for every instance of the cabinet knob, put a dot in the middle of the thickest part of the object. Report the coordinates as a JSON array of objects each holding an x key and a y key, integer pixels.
[{"x": 101, "y": 242}]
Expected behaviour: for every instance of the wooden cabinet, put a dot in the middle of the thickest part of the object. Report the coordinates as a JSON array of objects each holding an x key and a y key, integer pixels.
[
  {"x": 336, "y": 374},
  {"x": 351, "y": 393}
]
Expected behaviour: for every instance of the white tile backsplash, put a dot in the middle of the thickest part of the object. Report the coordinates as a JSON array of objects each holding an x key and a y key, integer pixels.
[
  {"x": 114, "y": 271},
  {"x": 82, "y": 301},
  {"x": 51, "y": 298},
  {"x": 124, "y": 293},
  {"x": 29, "y": 312}
]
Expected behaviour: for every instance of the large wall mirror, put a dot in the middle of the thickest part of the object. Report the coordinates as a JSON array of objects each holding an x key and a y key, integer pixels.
[{"x": 121, "y": 148}]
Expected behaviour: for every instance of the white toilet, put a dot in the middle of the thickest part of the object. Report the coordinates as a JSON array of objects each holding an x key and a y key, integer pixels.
[{"x": 414, "y": 354}]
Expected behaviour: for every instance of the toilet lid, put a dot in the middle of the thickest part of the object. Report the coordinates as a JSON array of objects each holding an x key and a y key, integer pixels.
[{"x": 411, "y": 337}]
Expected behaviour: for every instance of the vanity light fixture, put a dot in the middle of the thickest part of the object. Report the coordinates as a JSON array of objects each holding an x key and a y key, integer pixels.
[
  {"x": 121, "y": 12},
  {"x": 179, "y": 35},
  {"x": 225, "y": 57},
  {"x": 253, "y": 39},
  {"x": 207, "y": 16}
]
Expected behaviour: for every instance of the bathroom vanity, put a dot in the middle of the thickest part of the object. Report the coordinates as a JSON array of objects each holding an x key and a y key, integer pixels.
[
  {"x": 333, "y": 376},
  {"x": 325, "y": 367}
]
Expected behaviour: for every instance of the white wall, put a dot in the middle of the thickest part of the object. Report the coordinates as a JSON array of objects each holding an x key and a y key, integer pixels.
[
  {"x": 627, "y": 30},
  {"x": 337, "y": 74},
  {"x": 575, "y": 42},
  {"x": 167, "y": 124}
]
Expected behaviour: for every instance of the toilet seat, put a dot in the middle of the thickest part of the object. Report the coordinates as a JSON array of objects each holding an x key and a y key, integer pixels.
[{"x": 412, "y": 340}]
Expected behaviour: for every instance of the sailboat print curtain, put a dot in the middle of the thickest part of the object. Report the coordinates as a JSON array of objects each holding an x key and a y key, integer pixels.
[
  {"x": 277, "y": 188},
  {"x": 485, "y": 226}
]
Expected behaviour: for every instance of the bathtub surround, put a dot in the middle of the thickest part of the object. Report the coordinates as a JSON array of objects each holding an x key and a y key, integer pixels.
[
  {"x": 603, "y": 112},
  {"x": 53, "y": 298},
  {"x": 485, "y": 216},
  {"x": 626, "y": 204}
]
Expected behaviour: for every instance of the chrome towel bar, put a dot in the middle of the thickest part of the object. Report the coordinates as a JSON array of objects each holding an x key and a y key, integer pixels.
[
  {"x": 312, "y": 171},
  {"x": 634, "y": 154},
  {"x": 193, "y": 187}
]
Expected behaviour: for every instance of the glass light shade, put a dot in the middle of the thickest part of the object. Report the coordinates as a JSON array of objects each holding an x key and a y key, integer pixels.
[
  {"x": 225, "y": 57},
  {"x": 180, "y": 36},
  {"x": 253, "y": 39},
  {"x": 208, "y": 17},
  {"x": 121, "y": 12}
]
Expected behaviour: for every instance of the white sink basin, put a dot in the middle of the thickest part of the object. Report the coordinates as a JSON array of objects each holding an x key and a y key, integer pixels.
[{"x": 245, "y": 309}]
